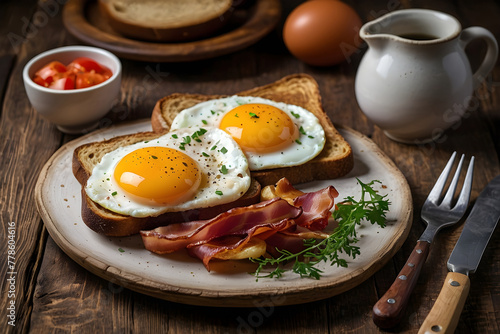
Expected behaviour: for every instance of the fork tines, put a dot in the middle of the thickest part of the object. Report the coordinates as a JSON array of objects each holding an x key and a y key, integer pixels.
[{"x": 464, "y": 196}]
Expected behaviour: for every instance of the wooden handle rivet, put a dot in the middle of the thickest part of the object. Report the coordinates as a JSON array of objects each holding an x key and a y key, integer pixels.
[
  {"x": 419, "y": 251},
  {"x": 391, "y": 301},
  {"x": 454, "y": 283},
  {"x": 436, "y": 328},
  {"x": 411, "y": 265},
  {"x": 402, "y": 277}
]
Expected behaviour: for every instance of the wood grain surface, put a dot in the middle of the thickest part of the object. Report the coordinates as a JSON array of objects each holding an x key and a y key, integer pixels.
[{"x": 55, "y": 294}]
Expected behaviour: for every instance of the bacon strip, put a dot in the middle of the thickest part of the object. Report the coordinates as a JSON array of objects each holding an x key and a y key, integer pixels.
[
  {"x": 263, "y": 219},
  {"x": 282, "y": 225},
  {"x": 207, "y": 251},
  {"x": 292, "y": 240},
  {"x": 286, "y": 190},
  {"x": 316, "y": 208},
  {"x": 316, "y": 205}
]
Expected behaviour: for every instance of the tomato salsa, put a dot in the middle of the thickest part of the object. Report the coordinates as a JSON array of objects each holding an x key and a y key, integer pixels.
[{"x": 82, "y": 72}]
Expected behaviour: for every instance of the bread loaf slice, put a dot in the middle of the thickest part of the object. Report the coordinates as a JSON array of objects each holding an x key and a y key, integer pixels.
[
  {"x": 166, "y": 20},
  {"x": 336, "y": 158},
  {"x": 109, "y": 223}
]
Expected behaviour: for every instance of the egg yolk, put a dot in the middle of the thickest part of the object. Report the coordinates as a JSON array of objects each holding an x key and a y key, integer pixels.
[
  {"x": 259, "y": 128},
  {"x": 159, "y": 175}
]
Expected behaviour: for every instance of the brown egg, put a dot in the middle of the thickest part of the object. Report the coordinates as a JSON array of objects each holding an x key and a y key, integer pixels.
[{"x": 322, "y": 32}]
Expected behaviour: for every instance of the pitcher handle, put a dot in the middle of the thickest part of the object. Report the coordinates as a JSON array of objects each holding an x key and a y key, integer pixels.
[{"x": 490, "y": 59}]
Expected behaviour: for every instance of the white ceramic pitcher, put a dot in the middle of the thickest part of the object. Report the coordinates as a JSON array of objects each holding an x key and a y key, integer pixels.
[{"x": 415, "y": 80}]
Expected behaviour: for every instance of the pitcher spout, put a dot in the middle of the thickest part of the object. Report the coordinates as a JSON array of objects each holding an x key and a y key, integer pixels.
[{"x": 412, "y": 26}]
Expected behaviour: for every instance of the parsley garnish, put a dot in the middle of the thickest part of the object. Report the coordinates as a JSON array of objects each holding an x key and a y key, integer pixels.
[
  {"x": 197, "y": 134},
  {"x": 114, "y": 193},
  {"x": 175, "y": 136},
  {"x": 154, "y": 157},
  {"x": 298, "y": 141},
  {"x": 223, "y": 169},
  {"x": 302, "y": 131},
  {"x": 295, "y": 114},
  {"x": 253, "y": 115},
  {"x": 218, "y": 192},
  {"x": 186, "y": 140},
  {"x": 205, "y": 154},
  {"x": 204, "y": 122},
  {"x": 349, "y": 214},
  {"x": 223, "y": 150},
  {"x": 121, "y": 250},
  {"x": 195, "y": 137}
]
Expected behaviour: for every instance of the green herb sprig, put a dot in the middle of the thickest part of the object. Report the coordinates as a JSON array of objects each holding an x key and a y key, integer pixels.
[{"x": 349, "y": 214}]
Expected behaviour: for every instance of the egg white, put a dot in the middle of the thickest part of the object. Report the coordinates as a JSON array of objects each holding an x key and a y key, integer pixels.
[
  {"x": 309, "y": 144},
  {"x": 215, "y": 188}
]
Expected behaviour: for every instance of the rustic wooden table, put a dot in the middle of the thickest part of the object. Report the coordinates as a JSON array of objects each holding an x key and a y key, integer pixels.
[{"x": 51, "y": 293}]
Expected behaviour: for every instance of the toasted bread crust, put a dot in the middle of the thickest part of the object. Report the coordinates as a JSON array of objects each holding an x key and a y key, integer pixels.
[
  {"x": 140, "y": 20},
  {"x": 109, "y": 223},
  {"x": 336, "y": 158}
]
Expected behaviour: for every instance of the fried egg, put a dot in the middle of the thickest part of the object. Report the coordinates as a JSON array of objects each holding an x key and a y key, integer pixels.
[
  {"x": 271, "y": 134},
  {"x": 181, "y": 170}
]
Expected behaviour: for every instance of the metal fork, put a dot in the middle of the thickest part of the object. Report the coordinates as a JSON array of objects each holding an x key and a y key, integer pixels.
[{"x": 437, "y": 214}]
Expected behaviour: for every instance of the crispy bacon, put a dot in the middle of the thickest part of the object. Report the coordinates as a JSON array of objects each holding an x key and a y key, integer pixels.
[
  {"x": 207, "y": 251},
  {"x": 316, "y": 208},
  {"x": 316, "y": 205},
  {"x": 284, "y": 189},
  {"x": 263, "y": 219},
  {"x": 282, "y": 225},
  {"x": 292, "y": 239}
]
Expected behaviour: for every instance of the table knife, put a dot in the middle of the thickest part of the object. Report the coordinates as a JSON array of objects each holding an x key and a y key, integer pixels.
[{"x": 464, "y": 260}]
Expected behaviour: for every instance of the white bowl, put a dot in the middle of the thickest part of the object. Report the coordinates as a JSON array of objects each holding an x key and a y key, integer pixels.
[{"x": 77, "y": 110}]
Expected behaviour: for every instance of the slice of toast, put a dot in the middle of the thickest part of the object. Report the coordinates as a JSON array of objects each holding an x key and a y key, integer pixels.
[
  {"x": 109, "y": 223},
  {"x": 336, "y": 158},
  {"x": 166, "y": 20}
]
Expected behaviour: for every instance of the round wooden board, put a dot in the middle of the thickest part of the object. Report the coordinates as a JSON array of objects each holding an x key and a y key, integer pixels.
[
  {"x": 83, "y": 19},
  {"x": 180, "y": 278}
]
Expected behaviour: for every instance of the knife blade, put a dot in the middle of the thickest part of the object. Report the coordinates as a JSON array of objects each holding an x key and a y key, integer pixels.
[{"x": 464, "y": 260}]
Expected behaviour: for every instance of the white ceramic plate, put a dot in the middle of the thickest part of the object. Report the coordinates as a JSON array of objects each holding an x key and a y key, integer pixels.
[{"x": 179, "y": 278}]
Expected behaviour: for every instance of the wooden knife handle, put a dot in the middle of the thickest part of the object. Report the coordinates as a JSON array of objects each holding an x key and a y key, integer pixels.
[
  {"x": 389, "y": 310},
  {"x": 444, "y": 315}
]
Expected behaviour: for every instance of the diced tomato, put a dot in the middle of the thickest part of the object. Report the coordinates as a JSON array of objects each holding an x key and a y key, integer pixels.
[
  {"x": 84, "y": 80},
  {"x": 65, "y": 83},
  {"x": 49, "y": 71},
  {"x": 106, "y": 73},
  {"x": 82, "y": 72},
  {"x": 84, "y": 64},
  {"x": 40, "y": 81}
]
